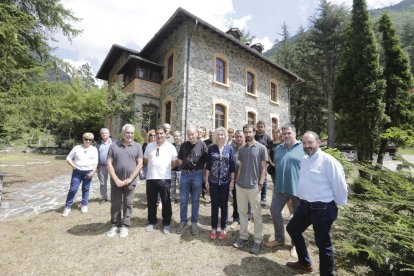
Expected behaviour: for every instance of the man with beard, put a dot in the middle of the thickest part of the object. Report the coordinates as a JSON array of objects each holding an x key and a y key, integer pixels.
[
  {"x": 266, "y": 141},
  {"x": 321, "y": 188},
  {"x": 251, "y": 174}
]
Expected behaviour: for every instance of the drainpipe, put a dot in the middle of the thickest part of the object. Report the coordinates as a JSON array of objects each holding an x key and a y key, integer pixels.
[{"x": 187, "y": 77}]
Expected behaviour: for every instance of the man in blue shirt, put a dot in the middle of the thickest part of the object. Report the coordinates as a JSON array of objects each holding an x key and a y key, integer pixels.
[
  {"x": 103, "y": 148},
  {"x": 321, "y": 188},
  {"x": 288, "y": 156}
]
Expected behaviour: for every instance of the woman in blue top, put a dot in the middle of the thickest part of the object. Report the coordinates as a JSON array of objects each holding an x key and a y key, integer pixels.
[{"x": 220, "y": 169}]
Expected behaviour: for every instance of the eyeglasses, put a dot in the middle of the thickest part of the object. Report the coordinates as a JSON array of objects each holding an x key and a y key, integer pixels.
[
  {"x": 89, "y": 140},
  {"x": 158, "y": 152}
]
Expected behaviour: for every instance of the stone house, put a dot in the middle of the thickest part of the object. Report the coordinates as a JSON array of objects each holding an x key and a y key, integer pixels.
[{"x": 192, "y": 74}]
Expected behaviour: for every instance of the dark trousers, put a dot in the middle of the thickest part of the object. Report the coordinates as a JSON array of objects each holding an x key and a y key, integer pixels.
[
  {"x": 263, "y": 192},
  {"x": 236, "y": 216},
  {"x": 122, "y": 200},
  {"x": 219, "y": 195},
  {"x": 161, "y": 187},
  {"x": 321, "y": 216}
]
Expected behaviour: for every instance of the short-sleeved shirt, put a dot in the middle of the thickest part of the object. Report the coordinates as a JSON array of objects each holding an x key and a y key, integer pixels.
[
  {"x": 125, "y": 158},
  {"x": 251, "y": 157},
  {"x": 159, "y": 160},
  {"x": 287, "y": 162},
  {"x": 85, "y": 159},
  {"x": 193, "y": 156},
  {"x": 177, "y": 147}
]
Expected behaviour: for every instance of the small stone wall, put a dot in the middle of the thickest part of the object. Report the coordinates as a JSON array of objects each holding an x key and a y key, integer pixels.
[{"x": 48, "y": 150}]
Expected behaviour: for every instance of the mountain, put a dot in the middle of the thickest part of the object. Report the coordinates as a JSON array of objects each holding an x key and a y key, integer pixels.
[{"x": 401, "y": 14}]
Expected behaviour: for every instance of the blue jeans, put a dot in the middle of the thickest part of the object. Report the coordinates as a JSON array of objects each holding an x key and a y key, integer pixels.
[
  {"x": 219, "y": 195},
  {"x": 190, "y": 181},
  {"x": 78, "y": 176},
  {"x": 263, "y": 192},
  {"x": 321, "y": 215}
]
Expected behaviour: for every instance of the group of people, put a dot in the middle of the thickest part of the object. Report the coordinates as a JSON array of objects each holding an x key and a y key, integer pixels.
[{"x": 226, "y": 163}]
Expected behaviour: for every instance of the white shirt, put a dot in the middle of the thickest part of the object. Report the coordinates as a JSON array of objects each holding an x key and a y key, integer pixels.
[
  {"x": 85, "y": 159},
  {"x": 322, "y": 178},
  {"x": 159, "y": 164}
]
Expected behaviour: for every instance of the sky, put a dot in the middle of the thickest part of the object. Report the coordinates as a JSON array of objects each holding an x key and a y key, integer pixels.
[{"x": 132, "y": 23}]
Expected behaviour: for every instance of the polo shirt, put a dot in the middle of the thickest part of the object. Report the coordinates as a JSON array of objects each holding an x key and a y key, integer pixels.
[
  {"x": 251, "y": 158},
  {"x": 287, "y": 162},
  {"x": 103, "y": 149},
  {"x": 159, "y": 160},
  {"x": 125, "y": 158},
  {"x": 193, "y": 156},
  {"x": 85, "y": 159}
]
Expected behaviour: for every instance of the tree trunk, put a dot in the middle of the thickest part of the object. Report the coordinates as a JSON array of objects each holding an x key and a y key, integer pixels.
[
  {"x": 331, "y": 120},
  {"x": 381, "y": 151}
]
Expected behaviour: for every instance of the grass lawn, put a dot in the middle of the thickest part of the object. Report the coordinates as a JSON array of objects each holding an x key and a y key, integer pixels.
[{"x": 406, "y": 151}]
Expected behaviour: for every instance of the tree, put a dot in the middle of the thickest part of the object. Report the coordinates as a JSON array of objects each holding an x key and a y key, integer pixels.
[
  {"x": 359, "y": 88},
  {"x": 398, "y": 79},
  {"x": 283, "y": 55},
  {"x": 328, "y": 36},
  {"x": 246, "y": 37}
]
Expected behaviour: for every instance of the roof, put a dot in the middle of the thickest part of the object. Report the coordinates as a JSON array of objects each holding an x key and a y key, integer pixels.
[
  {"x": 178, "y": 18},
  {"x": 113, "y": 55},
  {"x": 134, "y": 60}
]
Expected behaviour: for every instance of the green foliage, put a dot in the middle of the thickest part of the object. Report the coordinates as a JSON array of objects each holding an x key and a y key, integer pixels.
[
  {"x": 377, "y": 226},
  {"x": 346, "y": 164},
  {"x": 399, "y": 136},
  {"x": 359, "y": 87}
]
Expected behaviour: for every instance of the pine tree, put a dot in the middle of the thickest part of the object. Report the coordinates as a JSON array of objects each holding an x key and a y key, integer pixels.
[
  {"x": 359, "y": 88},
  {"x": 398, "y": 79},
  {"x": 328, "y": 37}
]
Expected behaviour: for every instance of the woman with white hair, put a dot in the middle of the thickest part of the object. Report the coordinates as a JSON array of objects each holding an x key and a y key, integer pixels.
[
  {"x": 220, "y": 170},
  {"x": 84, "y": 161}
]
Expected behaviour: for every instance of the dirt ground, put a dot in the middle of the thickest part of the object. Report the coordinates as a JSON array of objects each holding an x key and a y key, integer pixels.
[{"x": 48, "y": 244}]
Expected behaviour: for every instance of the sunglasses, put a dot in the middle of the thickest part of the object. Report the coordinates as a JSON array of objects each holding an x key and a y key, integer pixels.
[
  {"x": 158, "y": 152},
  {"x": 89, "y": 140}
]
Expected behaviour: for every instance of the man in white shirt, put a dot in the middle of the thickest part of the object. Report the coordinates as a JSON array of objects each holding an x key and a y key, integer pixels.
[
  {"x": 321, "y": 188},
  {"x": 160, "y": 156}
]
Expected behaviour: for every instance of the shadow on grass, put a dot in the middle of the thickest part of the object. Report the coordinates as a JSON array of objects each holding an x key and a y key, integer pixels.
[
  {"x": 257, "y": 266},
  {"x": 90, "y": 229}
]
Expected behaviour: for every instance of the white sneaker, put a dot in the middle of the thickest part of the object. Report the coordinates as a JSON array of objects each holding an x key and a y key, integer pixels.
[
  {"x": 123, "y": 232},
  {"x": 112, "y": 233},
  {"x": 66, "y": 212},
  {"x": 84, "y": 209}
]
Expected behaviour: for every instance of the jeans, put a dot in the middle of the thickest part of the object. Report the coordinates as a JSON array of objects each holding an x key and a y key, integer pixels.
[
  {"x": 263, "y": 192},
  {"x": 122, "y": 200},
  {"x": 219, "y": 195},
  {"x": 321, "y": 216},
  {"x": 103, "y": 181},
  {"x": 78, "y": 176},
  {"x": 161, "y": 187},
  {"x": 236, "y": 216},
  {"x": 279, "y": 201},
  {"x": 190, "y": 181},
  {"x": 175, "y": 181}
]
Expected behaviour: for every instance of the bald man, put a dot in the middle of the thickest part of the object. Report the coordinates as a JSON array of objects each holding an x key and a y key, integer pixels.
[{"x": 321, "y": 187}]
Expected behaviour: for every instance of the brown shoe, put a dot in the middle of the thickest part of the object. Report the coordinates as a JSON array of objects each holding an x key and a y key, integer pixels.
[
  {"x": 299, "y": 266},
  {"x": 271, "y": 244}
]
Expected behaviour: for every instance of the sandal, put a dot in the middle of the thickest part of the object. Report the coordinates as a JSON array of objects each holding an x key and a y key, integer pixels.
[{"x": 213, "y": 235}]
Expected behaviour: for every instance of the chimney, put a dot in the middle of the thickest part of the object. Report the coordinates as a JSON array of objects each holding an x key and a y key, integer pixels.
[
  {"x": 235, "y": 32},
  {"x": 258, "y": 47}
]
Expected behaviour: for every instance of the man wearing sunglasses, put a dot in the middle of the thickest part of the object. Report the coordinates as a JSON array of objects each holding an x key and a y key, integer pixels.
[
  {"x": 124, "y": 163},
  {"x": 159, "y": 157}
]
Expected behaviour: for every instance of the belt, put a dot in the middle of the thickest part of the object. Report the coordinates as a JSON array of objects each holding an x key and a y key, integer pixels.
[
  {"x": 328, "y": 204},
  {"x": 189, "y": 170}
]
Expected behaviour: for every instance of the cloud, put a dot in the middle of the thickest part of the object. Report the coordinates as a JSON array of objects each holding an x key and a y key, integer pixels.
[
  {"x": 372, "y": 4},
  {"x": 265, "y": 41},
  {"x": 241, "y": 23},
  {"x": 129, "y": 23}
]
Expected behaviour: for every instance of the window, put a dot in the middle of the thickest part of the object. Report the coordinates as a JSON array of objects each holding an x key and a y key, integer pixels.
[
  {"x": 167, "y": 118},
  {"x": 275, "y": 123},
  {"x": 274, "y": 93},
  {"x": 170, "y": 67},
  {"x": 169, "y": 70},
  {"x": 220, "y": 115},
  {"x": 250, "y": 81},
  {"x": 220, "y": 70},
  {"x": 251, "y": 118}
]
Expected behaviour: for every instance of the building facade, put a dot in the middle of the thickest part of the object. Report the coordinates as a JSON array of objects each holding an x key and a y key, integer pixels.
[{"x": 192, "y": 74}]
